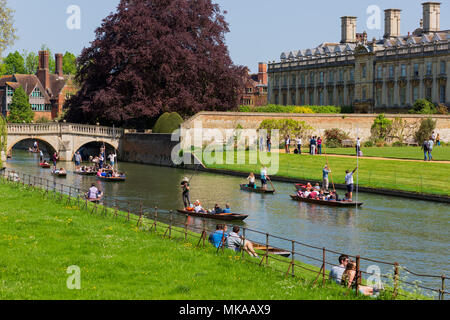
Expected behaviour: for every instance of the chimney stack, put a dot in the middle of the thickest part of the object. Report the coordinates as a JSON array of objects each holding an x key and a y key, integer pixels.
[
  {"x": 43, "y": 72},
  {"x": 59, "y": 64},
  {"x": 431, "y": 16},
  {"x": 392, "y": 23},
  {"x": 348, "y": 29},
  {"x": 262, "y": 73}
]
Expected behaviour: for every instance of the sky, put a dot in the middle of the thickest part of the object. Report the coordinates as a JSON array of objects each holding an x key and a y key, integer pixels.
[{"x": 259, "y": 29}]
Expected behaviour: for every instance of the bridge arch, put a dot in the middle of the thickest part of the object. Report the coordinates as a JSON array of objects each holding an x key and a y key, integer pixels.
[
  {"x": 50, "y": 146},
  {"x": 95, "y": 144}
]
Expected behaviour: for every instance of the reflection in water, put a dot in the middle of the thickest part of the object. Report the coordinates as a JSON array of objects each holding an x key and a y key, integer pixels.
[{"x": 414, "y": 233}]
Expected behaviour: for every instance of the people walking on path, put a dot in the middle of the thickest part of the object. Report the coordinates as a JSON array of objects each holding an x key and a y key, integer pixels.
[
  {"x": 425, "y": 149},
  {"x": 358, "y": 146},
  {"x": 269, "y": 143},
  {"x": 298, "y": 141},
  {"x": 325, "y": 181},
  {"x": 349, "y": 182},
  {"x": 430, "y": 148},
  {"x": 433, "y": 137},
  {"x": 319, "y": 145},
  {"x": 312, "y": 144}
]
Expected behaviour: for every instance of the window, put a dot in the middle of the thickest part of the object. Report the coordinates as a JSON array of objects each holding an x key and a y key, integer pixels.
[
  {"x": 442, "y": 94},
  {"x": 415, "y": 93},
  {"x": 402, "y": 96},
  {"x": 285, "y": 80},
  {"x": 321, "y": 77},
  {"x": 320, "y": 98},
  {"x": 293, "y": 80},
  {"x": 293, "y": 99},
  {"x": 443, "y": 67},
  {"x": 351, "y": 96},
  {"x": 340, "y": 98},
  {"x": 364, "y": 93},
  {"x": 248, "y": 90},
  {"x": 276, "y": 99},
  {"x": 311, "y": 97},
  {"x": 302, "y": 77},
  {"x": 429, "y": 68},
  {"x": 284, "y": 99},
  {"x": 391, "y": 96},
  {"x": 331, "y": 76},
  {"x": 416, "y": 70},
  {"x": 36, "y": 93},
  {"x": 41, "y": 107},
  {"x": 311, "y": 78},
  {"x": 302, "y": 99},
  {"x": 341, "y": 75},
  {"x": 9, "y": 91},
  {"x": 391, "y": 72},
  {"x": 403, "y": 70},
  {"x": 330, "y": 97},
  {"x": 428, "y": 93},
  {"x": 379, "y": 97},
  {"x": 379, "y": 72},
  {"x": 352, "y": 75},
  {"x": 364, "y": 71}
]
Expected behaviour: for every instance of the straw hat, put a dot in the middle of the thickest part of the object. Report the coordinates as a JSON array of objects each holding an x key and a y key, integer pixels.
[{"x": 186, "y": 179}]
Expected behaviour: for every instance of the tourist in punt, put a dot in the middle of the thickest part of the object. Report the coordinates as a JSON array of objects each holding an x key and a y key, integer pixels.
[
  {"x": 93, "y": 192},
  {"x": 319, "y": 145},
  {"x": 337, "y": 271},
  {"x": 306, "y": 193},
  {"x": 269, "y": 143},
  {"x": 41, "y": 156},
  {"x": 321, "y": 195},
  {"x": 227, "y": 209},
  {"x": 298, "y": 141},
  {"x": 112, "y": 158},
  {"x": 251, "y": 180},
  {"x": 314, "y": 194},
  {"x": 217, "y": 209},
  {"x": 325, "y": 182},
  {"x": 317, "y": 187},
  {"x": 198, "y": 207},
  {"x": 100, "y": 160},
  {"x": 347, "y": 198},
  {"x": 349, "y": 281},
  {"x": 287, "y": 144},
  {"x": 61, "y": 171},
  {"x": 185, "y": 188},
  {"x": 237, "y": 243},
  {"x": 218, "y": 237},
  {"x": 263, "y": 178},
  {"x": 77, "y": 160},
  {"x": 349, "y": 181},
  {"x": 55, "y": 159}
]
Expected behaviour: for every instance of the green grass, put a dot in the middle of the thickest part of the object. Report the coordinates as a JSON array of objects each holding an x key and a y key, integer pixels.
[
  {"x": 41, "y": 237},
  {"x": 413, "y": 153},
  {"x": 421, "y": 177}
]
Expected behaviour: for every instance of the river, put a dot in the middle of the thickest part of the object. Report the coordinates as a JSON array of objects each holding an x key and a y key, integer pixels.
[{"x": 413, "y": 233}]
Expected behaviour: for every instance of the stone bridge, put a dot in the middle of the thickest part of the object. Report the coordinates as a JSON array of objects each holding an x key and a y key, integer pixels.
[{"x": 66, "y": 138}]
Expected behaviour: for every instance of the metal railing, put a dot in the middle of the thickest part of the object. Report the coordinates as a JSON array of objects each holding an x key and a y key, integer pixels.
[{"x": 318, "y": 258}]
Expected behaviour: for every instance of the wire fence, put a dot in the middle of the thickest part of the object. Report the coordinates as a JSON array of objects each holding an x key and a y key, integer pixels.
[{"x": 287, "y": 256}]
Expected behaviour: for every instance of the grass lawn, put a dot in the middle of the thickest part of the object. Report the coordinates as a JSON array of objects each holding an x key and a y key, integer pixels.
[
  {"x": 41, "y": 237},
  {"x": 414, "y": 153},
  {"x": 422, "y": 177}
]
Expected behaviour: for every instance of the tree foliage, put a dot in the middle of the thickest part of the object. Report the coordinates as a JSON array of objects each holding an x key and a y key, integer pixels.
[
  {"x": 14, "y": 63},
  {"x": 168, "y": 123},
  {"x": 425, "y": 130},
  {"x": 69, "y": 63},
  {"x": 381, "y": 128},
  {"x": 154, "y": 56},
  {"x": 31, "y": 62},
  {"x": 423, "y": 106},
  {"x": 335, "y": 137},
  {"x": 287, "y": 127},
  {"x": 20, "y": 108},
  {"x": 7, "y": 30}
]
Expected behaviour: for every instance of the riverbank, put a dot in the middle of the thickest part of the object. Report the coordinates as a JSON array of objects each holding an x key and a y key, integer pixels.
[
  {"x": 416, "y": 180},
  {"x": 41, "y": 237}
]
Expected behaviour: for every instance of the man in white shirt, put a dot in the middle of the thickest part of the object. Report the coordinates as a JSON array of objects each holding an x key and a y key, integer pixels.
[
  {"x": 430, "y": 148},
  {"x": 112, "y": 158},
  {"x": 93, "y": 192},
  {"x": 298, "y": 141},
  {"x": 263, "y": 178},
  {"x": 337, "y": 271},
  {"x": 349, "y": 182}
]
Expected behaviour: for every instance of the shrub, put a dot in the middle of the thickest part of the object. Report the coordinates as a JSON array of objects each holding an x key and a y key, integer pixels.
[
  {"x": 43, "y": 120},
  {"x": 368, "y": 144},
  {"x": 272, "y": 108},
  {"x": 398, "y": 144},
  {"x": 423, "y": 106},
  {"x": 347, "y": 109},
  {"x": 441, "y": 109},
  {"x": 168, "y": 123},
  {"x": 302, "y": 110},
  {"x": 425, "y": 130},
  {"x": 286, "y": 126},
  {"x": 334, "y": 137},
  {"x": 381, "y": 128}
]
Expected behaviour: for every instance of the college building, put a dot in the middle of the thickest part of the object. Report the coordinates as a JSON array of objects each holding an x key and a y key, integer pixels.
[
  {"x": 47, "y": 92},
  {"x": 387, "y": 75},
  {"x": 255, "y": 88}
]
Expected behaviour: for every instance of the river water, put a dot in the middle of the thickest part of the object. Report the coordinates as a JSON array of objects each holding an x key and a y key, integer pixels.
[{"x": 414, "y": 233}]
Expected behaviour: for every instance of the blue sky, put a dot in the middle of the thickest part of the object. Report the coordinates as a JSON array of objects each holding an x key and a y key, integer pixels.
[{"x": 259, "y": 29}]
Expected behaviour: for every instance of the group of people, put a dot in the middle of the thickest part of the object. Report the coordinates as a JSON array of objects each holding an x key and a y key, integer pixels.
[
  {"x": 220, "y": 238},
  {"x": 345, "y": 274},
  {"x": 315, "y": 145},
  {"x": 198, "y": 208},
  {"x": 251, "y": 179},
  {"x": 427, "y": 146}
]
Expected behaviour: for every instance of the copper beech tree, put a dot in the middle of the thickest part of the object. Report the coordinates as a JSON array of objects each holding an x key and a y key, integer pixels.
[{"x": 155, "y": 56}]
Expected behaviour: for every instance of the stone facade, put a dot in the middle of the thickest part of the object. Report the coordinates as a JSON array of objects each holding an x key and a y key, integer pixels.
[{"x": 387, "y": 75}]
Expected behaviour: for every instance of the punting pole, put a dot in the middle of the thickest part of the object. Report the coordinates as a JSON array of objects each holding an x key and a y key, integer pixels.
[{"x": 357, "y": 166}]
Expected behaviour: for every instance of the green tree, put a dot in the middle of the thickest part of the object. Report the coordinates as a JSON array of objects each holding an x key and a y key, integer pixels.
[
  {"x": 2, "y": 69},
  {"x": 3, "y": 137},
  {"x": 51, "y": 60},
  {"x": 14, "y": 63},
  {"x": 425, "y": 130},
  {"x": 7, "y": 30},
  {"x": 20, "y": 108},
  {"x": 168, "y": 123},
  {"x": 381, "y": 128},
  {"x": 69, "y": 63},
  {"x": 31, "y": 62},
  {"x": 423, "y": 106}
]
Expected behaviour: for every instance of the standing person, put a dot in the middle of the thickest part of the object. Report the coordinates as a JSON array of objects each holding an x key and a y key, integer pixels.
[
  {"x": 55, "y": 159},
  {"x": 261, "y": 143},
  {"x": 287, "y": 143},
  {"x": 313, "y": 145},
  {"x": 438, "y": 140},
  {"x": 185, "y": 187},
  {"x": 112, "y": 158},
  {"x": 263, "y": 178},
  {"x": 430, "y": 148},
  {"x": 93, "y": 192},
  {"x": 41, "y": 156},
  {"x": 269, "y": 143},
  {"x": 337, "y": 271},
  {"x": 325, "y": 181},
  {"x": 319, "y": 145},
  {"x": 100, "y": 160},
  {"x": 77, "y": 160},
  {"x": 349, "y": 182},
  {"x": 298, "y": 141},
  {"x": 35, "y": 146},
  {"x": 358, "y": 146},
  {"x": 425, "y": 149},
  {"x": 433, "y": 137}
]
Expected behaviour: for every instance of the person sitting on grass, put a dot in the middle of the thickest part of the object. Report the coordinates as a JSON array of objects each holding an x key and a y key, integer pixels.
[
  {"x": 218, "y": 237},
  {"x": 337, "y": 271},
  {"x": 349, "y": 281},
  {"x": 236, "y": 242}
]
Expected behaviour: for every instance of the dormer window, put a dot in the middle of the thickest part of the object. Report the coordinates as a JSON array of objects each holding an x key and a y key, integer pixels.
[
  {"x": 9, "y": 91},
  {"x": 37, "y": 93}
]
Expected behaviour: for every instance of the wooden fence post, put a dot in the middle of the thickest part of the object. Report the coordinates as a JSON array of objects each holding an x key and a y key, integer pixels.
[
  {"x": 357, "y": 274},
  {"x": 323, "y": 263},
  {"x": 140, "y": 214},
  {"x": 293, "y": 260},
  {"x": 243, "y": 237},
  {"x": 442, "y": 287},
  {"x": 267, "y": 249},
  {"x": 396, "y": 276},
  {"x": 185, "y": 227}
]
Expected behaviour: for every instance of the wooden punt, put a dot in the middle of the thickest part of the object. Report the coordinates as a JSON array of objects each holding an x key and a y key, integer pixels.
[
  {"x": 326, "y": 203},
  {"x": 112, "y": 179},
  {"x": 85, "y": 173},
  {"x": 44, "y": 165},
  {"x": 220, "y": 216},
  {"x": 257, "y": 189},
  {"x": 271, "y": 250},
  {"x": 60, "y": 175}
]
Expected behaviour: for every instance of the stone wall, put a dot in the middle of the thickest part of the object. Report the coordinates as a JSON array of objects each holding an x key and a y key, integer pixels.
[{"x": 354, "y": 124}]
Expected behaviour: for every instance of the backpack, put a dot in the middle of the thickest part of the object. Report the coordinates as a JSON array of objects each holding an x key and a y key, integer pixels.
[{"x": 425, "y": 146}]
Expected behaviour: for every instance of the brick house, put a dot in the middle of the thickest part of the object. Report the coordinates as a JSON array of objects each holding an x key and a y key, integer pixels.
[
  {"x": 47, "y": 92},
  {"x": 255, "y": 90}
]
